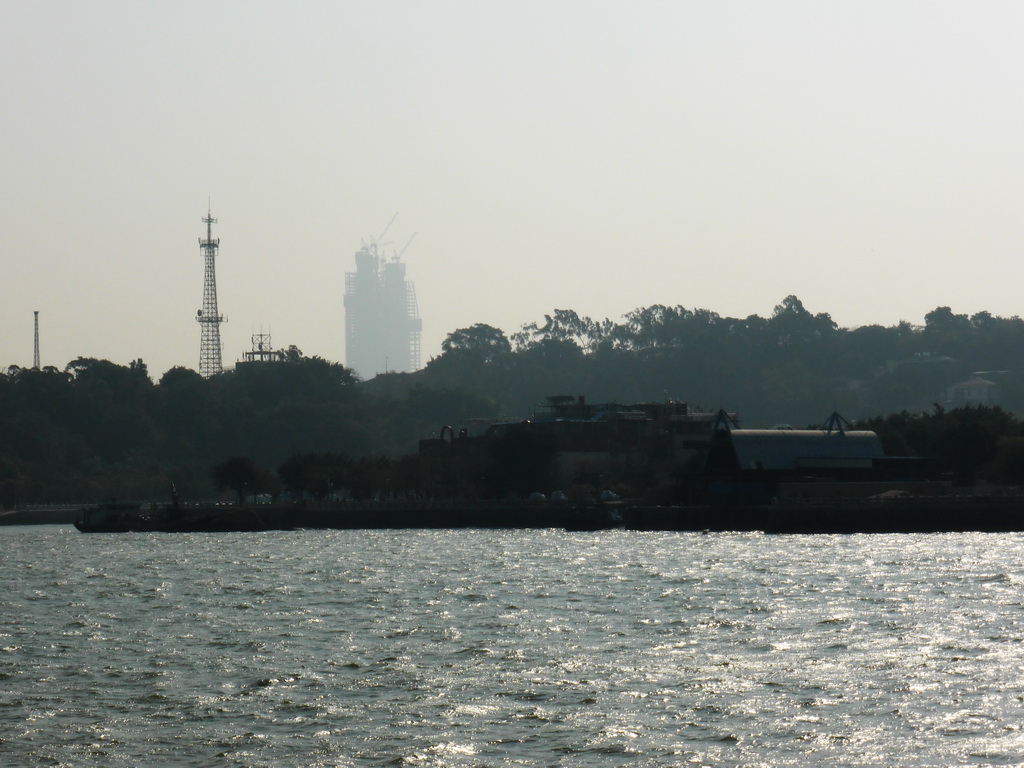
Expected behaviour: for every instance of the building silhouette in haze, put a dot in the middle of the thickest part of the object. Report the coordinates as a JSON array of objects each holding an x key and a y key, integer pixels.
[{"x": 382, "y": 322}]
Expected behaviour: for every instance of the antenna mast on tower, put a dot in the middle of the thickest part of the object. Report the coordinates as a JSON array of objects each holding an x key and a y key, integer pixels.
[
  {"x": 208, "y": 317},
  {"x": 35, "y": 356}
]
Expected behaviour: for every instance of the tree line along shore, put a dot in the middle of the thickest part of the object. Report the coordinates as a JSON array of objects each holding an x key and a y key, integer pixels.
[{"x": 96, "y": 429}]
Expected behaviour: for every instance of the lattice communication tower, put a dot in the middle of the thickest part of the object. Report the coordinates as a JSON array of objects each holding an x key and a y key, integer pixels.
[{"x": 208, "y": 317}]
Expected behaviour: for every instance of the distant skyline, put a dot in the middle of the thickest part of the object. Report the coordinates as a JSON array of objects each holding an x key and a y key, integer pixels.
[{"x": 595, "y": 156}]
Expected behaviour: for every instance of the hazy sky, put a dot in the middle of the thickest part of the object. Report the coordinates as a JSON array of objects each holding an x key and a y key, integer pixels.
[{"x": 599, "y": 156}]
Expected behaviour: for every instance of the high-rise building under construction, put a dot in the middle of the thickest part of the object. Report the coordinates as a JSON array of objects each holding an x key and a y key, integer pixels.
[{"x": 382, "y": 322}]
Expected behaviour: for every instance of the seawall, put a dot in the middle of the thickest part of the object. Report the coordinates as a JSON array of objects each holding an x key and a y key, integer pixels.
[{"x": 959, "y": 514}]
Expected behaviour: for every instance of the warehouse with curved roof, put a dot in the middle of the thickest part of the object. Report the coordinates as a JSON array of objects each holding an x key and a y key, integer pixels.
[{"x": 790, "y": 450}]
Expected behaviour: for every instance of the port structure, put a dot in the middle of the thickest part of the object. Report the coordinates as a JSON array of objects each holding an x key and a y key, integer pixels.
[
  {"x": 382, "y": 322},
  {"x": 209, "y": 317}
]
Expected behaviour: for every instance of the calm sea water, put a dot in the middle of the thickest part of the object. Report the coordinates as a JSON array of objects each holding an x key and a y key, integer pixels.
[{"x": 503, "y": 648}]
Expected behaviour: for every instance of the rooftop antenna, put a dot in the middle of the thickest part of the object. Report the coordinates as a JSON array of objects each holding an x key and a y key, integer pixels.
[
  {"x": 208, "y": 317},
  {"x": 35, "y": 356},
  {"x": 723, "y": 421},
  {"x": 836, "y": 423}
]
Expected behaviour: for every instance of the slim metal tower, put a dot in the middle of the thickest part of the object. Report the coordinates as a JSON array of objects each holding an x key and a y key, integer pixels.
[
  {"x": 209, "y": 318},
  {"x": 35, "y": 356}
]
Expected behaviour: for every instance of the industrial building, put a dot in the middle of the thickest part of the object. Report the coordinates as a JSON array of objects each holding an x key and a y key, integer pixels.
[
  {"x": 668, "y": 452},
  {"x": 781, "y": 466},
  {"x": 589, "y": 445}
]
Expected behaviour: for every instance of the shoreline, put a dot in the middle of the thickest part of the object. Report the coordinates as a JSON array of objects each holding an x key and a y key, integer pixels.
[{"x": 945, "y": 515}]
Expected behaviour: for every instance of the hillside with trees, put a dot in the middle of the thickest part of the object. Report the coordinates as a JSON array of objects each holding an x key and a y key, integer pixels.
[
  {"x": 97, "y": 429},
  {"x": 793, "y": 367}
]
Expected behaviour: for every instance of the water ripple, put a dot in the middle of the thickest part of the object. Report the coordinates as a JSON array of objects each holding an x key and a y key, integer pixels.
[{"x": 508, "y": 648}]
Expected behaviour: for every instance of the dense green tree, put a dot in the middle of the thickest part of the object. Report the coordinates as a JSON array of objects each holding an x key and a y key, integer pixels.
[
  {"x": 945, "y": 333},
  {"x": 319, "y": 475},
  {"x": 371, "y": 477},
  {"x": 244, "y": 476},
  {"x": 1008, "y": 460},
  {"x": 469, "y": 358},
  {"x": 966, "y": 440},
  {"x": 480, "y": 342},
  {"x": 564, "y": 325}
]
